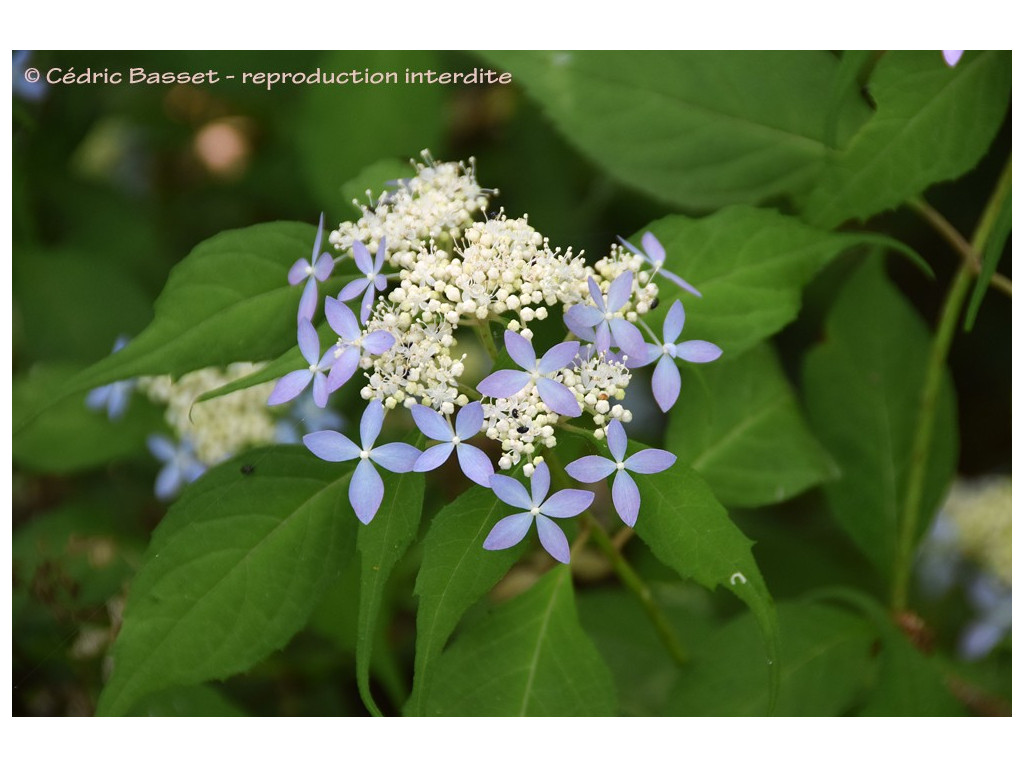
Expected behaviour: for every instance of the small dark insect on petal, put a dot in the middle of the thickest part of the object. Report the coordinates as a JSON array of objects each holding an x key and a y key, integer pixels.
[
  {"x": 522, "y": 430},
  {"x": 655, "y": 303},
  {"x": 247, "y": 469},
  {"x": 515, "y": 413}
]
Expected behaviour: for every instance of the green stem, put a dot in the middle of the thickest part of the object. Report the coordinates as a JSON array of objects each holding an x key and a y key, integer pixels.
[
  {"x": 941, "y": 344},
  {"x": 923, "y": 434},
  {"x": 630, "y": 578},
  {"x": 632, "y": 581},
  {"x": 483, "y": 331}
]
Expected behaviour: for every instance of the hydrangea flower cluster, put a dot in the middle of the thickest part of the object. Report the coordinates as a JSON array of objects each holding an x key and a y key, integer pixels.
[
  {"x": 970, "y": 546},
  {"x": 432, "y": 274},
  {"x": 207, "y": 433}
]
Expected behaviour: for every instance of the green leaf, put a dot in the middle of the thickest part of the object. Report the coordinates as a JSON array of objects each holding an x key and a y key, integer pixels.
[
  {"x": 232, "y": 572},
  {"x": 197, "y": 701},
  {"x": 343, "y": 128},
  {"x": 738, "y": 424},
  {"x": 70, "y": 437},
  {"x": 288, "y": 361},
  {"x": 824, "y": 664},
  {"x": 689, "y": 531},
  {"x": 862, "y": 389},
  {"x": 749, "y": 264},
  {"x": 530, "y": 657},
  {"x": 852, "y": 67},
  {"x": 933, "y": 123},
  {"x": 456, "y": 572},
  {"x": 381, "y": 544},
  {"x": 909, "y": 684},
  {"x": 701, "y": 130},
  {"x": 71, "y": 304},
  {"x": 990, "y": 259},
  {"x": 645, "y": 673},
  {"x": 228, "y": 301}
]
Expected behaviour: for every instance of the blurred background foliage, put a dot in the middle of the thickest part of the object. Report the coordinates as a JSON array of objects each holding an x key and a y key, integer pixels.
[{"x": 114, "y": 184}]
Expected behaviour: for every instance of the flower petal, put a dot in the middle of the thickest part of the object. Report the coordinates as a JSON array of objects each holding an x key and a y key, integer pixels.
[
  {"x": 362, "y": 257},
  {"x": 370, "y": 423},
  {"x": 552, "y": 539},
  {"x": 626, "y": 497},
  {"x": 365, "y": 491},
  {"x": 331, "y": 446},
  {"x": 162, "y": 447},
  {"x": 431, "y": 423},
  {"x": 559, "y": 356},
  {"x": 510, "y": 491},
  {"x": 290, "y": 386},
  {"x": 649, "y": 461},
  {"x": 653, "y": 353},
  {"x": 520, "y": 350},
  {"x": 396, "y": 457},
  {"x": 665, "y": 383},
  {"x": 617, "y": 441},
  {"x": 540, "y": 484},
  {"x": 298, "y": 272},
  {"x": 341, "y": 319},
  {"x": 628, "y": 338},
  {"x": 378, "y": 342},
  {"x": 698, "y": 351},
  {"x": 680, "y": 282},
  {"x": 320, "y": 391},
  {"x": 952, "y": 57},
  {"x": 503, "y": 383},
  {"x": 595, "y": 294},
  {"x": 674, "y": 321},
  {"x": 568, "y": 502},
  {"x": 654, "y": 250},
  {"x": 318, "y": 240},
  {"x": 192, "y": 470},
  {"x": 590, "y": 469},
  {"x": 309, "y": 342},
  {"x": 558, "y": 397},
  {"x": 97, "y": 399},
  {"x": 433, "y": 457},
  {"x": 629, "y": 245},
  {"x": 508, "y": 531},
  {"x": 323, "y": 267},
  {"x": 307, "y": 303},
  {"x": 582, "y": 316},
  {"x": 120, "y": 396},
  {"x": 343, "y": 368},
  {"x": 168, "y": 481},
  {"x": 366, "y": 306},
  {"x": 620, "y": 291},
  {"x": 586, "y": 333},
  {"x": 475, "y": 464},
  {"x": 602, "y": 336},
  {"x": 382, "y": 250},
  {"x": 979, "y": 638},
  {"x": 469, "y": 421},
  {"x": 353, "y": 289}
]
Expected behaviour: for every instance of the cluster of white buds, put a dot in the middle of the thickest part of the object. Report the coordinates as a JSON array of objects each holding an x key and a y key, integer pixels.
[
  {"x": 645, "y": 291},
  {"x": 419, "y": 367},
  {"x": 454, "y": 272},
  {"x": 981, "y": 513},
  {"x": 438, "y": 203},
  {"x": 597, "y": 379},
  {"x": 220, "y": 428}
]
